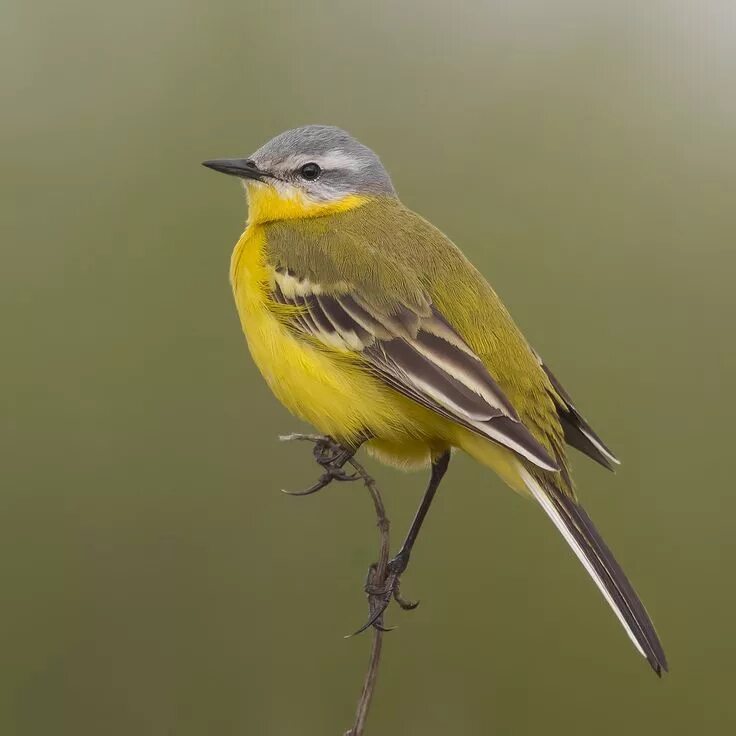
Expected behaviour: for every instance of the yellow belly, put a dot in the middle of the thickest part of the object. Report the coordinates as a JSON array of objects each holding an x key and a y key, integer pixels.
[{"x": 332, "y": 391}]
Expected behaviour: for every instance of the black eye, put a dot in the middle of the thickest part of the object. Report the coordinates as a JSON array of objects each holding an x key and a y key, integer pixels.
[{"x": 310, "y": 171}]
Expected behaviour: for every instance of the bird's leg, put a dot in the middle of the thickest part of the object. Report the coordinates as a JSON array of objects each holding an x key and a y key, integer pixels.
[
  {"x": 398, "y": 564},
  {"x": 331, "y": 456}
]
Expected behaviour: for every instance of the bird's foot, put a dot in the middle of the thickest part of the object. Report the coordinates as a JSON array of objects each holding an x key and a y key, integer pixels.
[
  {"x": 331, "y": 456},
  {"x": 381, "y": 592}
]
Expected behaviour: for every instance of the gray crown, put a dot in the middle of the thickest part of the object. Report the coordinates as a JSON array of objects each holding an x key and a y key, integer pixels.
[{"x": 348, "y": 167}]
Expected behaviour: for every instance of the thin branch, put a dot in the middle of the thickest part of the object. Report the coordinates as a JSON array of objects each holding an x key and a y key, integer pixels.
[
  {"x": 376, "y": 580},
  {"x": 374, "y": 586}
]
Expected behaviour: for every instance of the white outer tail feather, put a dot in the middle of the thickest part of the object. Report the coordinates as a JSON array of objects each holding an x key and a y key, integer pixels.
[{"x": 538, "y": 492}]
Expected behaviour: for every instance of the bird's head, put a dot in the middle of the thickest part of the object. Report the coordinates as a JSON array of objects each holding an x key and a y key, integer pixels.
[{"x": 306, "y": 172}]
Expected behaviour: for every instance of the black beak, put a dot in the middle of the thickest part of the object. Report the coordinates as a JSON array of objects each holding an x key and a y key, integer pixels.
[{"x": 244, "y": 168}]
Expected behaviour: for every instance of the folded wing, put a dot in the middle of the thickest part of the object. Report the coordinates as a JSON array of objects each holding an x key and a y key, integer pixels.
[{"x": 415, "y": 351}]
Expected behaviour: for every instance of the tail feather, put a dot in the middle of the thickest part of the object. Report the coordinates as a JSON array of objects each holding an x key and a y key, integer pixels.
[{"x": 582, "y": 536}]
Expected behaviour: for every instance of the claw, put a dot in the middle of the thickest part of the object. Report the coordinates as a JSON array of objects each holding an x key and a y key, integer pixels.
[
  {"x": 384, "y": 629},
  {"x": 380, "y": 596},
  {"x": 404, "y": 604},
  {"x": 340, "y": 474},
  {"x": 330, "y": 454},
  {"x": 318, "y": 486},
  {"x": 333, "y": 471},
  {"x": 373, "y": 619}
]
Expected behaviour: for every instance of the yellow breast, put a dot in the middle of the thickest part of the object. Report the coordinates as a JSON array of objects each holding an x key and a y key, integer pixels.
[{"x": 327, "y": 389}]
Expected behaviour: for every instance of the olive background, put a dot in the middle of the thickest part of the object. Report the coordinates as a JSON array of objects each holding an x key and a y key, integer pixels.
[{"x": 153, "y": 579}]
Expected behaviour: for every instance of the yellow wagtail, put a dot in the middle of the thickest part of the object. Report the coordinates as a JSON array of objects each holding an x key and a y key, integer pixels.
[{"x": 370, "y": 324}]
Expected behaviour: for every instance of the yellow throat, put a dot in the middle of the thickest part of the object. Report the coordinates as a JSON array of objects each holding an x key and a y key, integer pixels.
[{"x": 267, "y": 203}]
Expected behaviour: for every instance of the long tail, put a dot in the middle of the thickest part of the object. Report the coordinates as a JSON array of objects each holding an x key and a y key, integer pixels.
[{"x": 577, "y": 528}]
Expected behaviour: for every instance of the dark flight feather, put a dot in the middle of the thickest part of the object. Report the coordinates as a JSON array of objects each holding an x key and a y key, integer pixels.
[
  {"x": 578, "y": 433},
  {"x": 579, "y": 532},
  {"x": 418, "y": 355},
  {"x": 612, "y": 576}
]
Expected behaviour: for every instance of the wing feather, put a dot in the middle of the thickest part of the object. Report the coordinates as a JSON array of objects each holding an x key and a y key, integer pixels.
[
  {"x": 578, "y": 433},
  {"x": 417, "y": 353},
  {"x": 432, "y": 379}
]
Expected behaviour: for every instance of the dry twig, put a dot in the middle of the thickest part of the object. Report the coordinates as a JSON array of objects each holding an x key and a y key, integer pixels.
[{"x": 374, "y": 586}]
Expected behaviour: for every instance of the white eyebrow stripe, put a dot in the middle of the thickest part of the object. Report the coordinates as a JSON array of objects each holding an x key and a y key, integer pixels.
[{"x": 337, "y": 159}]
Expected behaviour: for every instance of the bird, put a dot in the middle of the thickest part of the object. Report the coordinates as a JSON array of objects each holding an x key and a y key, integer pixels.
[{"x": 370, "y": 324}]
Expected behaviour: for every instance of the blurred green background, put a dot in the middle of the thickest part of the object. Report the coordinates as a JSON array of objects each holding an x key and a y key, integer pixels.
[{"x": 154, "y": 580}]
